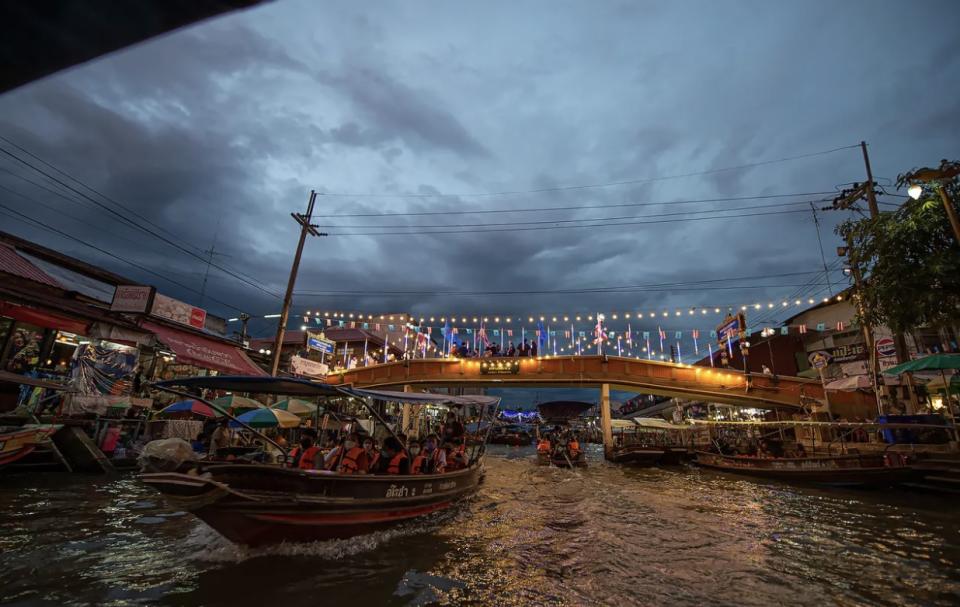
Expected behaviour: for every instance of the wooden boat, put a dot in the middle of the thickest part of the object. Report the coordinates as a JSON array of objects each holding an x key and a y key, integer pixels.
[
  {"x": 640, "y": 455},
  {"x": 17, "y": 443},
  {"x": 840, "y": 470},
  {"x": 259, "y": 504},
  {"x": 558, "y": 460}
]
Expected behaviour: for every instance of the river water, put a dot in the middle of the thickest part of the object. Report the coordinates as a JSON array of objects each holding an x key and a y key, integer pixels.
[{"x": 603, "y": 535}]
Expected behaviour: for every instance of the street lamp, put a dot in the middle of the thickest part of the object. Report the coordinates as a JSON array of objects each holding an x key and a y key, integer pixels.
[{"x": 935, "y": 177}]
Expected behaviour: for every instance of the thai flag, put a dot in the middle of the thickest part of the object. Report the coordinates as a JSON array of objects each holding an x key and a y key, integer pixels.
[
  {"x": 483, "y": 335},
  {"x": 599, "y": 334},
  {"x": 803, "y": 329}
]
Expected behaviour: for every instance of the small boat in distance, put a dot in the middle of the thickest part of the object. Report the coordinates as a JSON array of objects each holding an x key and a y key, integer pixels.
[
  {"x": 839, "y": 470},
  {"x": 256, "y": 504}
]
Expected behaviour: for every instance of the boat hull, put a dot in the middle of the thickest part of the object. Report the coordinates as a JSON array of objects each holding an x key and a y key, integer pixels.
[
  {"x": 19, "y": 443},
  {"x": 258, "y": 504},
  {"x": 844, "y": 470},
  {"x": 636, "y": 455},
  {"x": 544, "y": 459}
]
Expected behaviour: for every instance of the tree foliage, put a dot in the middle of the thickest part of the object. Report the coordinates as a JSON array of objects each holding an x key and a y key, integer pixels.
[{"x": 910, "y": 262}]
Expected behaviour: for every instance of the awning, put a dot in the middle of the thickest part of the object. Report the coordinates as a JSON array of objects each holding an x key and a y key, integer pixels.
[
  {"x": 204, "y": 352},
  {"x": 43, "y": 319}
]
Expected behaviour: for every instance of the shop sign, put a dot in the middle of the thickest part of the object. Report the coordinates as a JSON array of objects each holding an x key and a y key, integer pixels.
[
  {"x": 178, "y": 311},
  {"x": 886, "y": 347},
  {"x": 307, "y": 367},
  {"x": 317, "y": 341},
  {"x": 819, "y": 361},
  {"x": 132, "y": 298},
  {"x": 731, "y": 329},
  {"x": 847, "y": 353}
]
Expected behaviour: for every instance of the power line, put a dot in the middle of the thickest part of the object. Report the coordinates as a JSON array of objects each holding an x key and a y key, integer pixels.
[
  {"x": 610, "y": 289},
  {"x": 565, "y": 227},
  {"x": 250, "y": 282},
  {"x": 50, "y": 228},
  {"x": 600, "y": 185},
  {"x": 581, "y": 220},
  {"x": 581, "y": 207}
]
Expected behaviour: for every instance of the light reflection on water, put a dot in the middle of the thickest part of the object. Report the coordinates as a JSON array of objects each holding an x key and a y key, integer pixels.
[{"x": 532, "y": 535}]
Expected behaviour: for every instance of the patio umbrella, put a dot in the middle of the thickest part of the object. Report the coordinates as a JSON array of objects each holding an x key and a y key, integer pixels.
[
  {"x": 849, "y": 384},
  {"x": 193, "y": 407},
  {"x": 296, "y": 406},
  {"x": 934, "y": 362},
  {"x": 267, "y": 418},
  {"x": 237, "y": 403}
]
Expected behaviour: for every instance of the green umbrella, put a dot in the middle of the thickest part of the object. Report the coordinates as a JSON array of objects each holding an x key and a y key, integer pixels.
[
  {"x": 237, "y": 403},
  {"x": 934, "y": 362},
  {"x": 296, "y": 406}
]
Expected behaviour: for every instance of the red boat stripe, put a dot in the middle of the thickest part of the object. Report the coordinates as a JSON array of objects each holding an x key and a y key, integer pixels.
[{"x": 349, "y": 518}]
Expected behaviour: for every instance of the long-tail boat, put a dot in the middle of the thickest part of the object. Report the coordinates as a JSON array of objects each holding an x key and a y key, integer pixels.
[
  {"x": 17, "y": 443},
  {"x": 840, "y": 470},
  {"x": 257, "y": 504}
]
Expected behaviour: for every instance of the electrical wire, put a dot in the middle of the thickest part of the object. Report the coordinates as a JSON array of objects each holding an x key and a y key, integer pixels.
[
  {"x": 599, "y": 185},
  {"x": 250, "y": 282},
  {"x": 565, "y": 227},
  {"x": 610, "y": 289},
  {"x": 580, "y": 207},
  {"x": 49, "y": 228},
  {"x": 581, "y": 220}
]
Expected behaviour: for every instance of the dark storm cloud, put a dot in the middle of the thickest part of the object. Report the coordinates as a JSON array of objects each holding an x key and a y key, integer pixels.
[{"x": 218, "y": 132}]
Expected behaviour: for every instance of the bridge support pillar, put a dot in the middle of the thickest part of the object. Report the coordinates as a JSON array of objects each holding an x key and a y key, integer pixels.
[{"x": 605, "y": 423}]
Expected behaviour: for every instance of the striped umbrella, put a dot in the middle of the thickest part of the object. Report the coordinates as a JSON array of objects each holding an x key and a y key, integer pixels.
[
  {"x": 267, "y": 418},
  {"x": 237, "y": 403},
  {"x": 296, "y": 406},
  {"x": 193, "y": 407}
]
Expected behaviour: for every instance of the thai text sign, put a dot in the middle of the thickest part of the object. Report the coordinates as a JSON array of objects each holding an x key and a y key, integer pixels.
[
  {"x": 177, "y": 311},
  {"x": 319, "y": 343},
  {"x": 132, "y": 298}
]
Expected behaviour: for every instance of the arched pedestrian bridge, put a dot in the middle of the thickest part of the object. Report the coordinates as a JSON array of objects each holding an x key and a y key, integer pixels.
[{"x": 605, "y": 372}]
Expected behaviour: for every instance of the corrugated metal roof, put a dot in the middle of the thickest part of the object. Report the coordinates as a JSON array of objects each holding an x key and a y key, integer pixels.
[
  {"x": 73, "y": 281},
  {"x": 12, "y": 263}
]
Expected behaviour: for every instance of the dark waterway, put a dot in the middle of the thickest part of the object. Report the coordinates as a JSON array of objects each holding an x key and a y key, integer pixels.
[{"x": 531, "y": 536}]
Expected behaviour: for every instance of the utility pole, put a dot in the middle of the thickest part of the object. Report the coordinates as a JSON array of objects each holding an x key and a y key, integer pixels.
[
  {"x": 305, "y": 228},
  {"x": 871, "y": 195},
  {"x": 244, "y": 319}
]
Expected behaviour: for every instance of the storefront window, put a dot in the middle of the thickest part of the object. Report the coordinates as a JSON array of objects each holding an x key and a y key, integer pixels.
[
  {"x": 24, "y": 349},
  {"x": 5, "y": 325}
]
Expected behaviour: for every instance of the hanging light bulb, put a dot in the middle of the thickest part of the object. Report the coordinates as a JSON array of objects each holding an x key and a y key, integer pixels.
[{"x": 915, "y": 191}]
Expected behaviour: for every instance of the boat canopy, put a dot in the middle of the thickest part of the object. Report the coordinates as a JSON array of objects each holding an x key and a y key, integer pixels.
[
  {"x": 293, "y": 386},
  {"x": 423, "y": 398},
  {"x": 659, "y": 424},
  {"x": 289, "y": 386}
]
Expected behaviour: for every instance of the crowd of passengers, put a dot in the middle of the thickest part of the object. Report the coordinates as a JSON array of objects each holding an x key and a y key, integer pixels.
[
  {"x": 439, "y": 452},
  {"x": 559, "y": 443}
]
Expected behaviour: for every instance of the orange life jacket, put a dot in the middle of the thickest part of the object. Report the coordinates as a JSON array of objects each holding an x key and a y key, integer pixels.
[
  {"x": 292, "y": 456},
  {"x": 350, "y": 463},
  {"x": 332, "y": 458},
  {"x": 543, "y": 446},
  {"x": 306, "y": 460},
  {"x": 416, "y": 467},
  {"x": 574, "y": 447},
  {"x": 394, "y": 467},
  {"x": 438, "y": 468}
]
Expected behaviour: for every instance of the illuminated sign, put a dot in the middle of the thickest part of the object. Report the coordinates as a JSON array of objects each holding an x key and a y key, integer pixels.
[
  {"x": 320, "y": 343},
  {"x": 500, "y": 367}
]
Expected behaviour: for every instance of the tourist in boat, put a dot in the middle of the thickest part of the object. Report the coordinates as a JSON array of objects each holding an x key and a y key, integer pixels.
[
  {"x": 310, "y": 456},
  {"x": 220, "y": 438},
  {"x": 354, "y": 458},
  {"x": 419, "y": 460},
  {"x": 394, "y": 457},
  {"x": 800, "y": 451},
  {"x": 573, "y": 447},
  {"x": 452, "y": 427},
  {"x": 372, "y": 453},
  {"x": 436, "y": 457},
  {"x": 456, "y": 455},
  {"x": 109, "y": 439},
  {"x": 543, "y": 446},
  {"x": 293, "y": 456}
]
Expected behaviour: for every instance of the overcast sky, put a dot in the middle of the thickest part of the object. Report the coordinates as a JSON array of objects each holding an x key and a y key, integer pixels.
[{"x": 217, "y": 132}]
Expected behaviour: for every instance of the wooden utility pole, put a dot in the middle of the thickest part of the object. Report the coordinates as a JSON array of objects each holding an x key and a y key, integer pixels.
[{"x": 305, "y": 228}]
